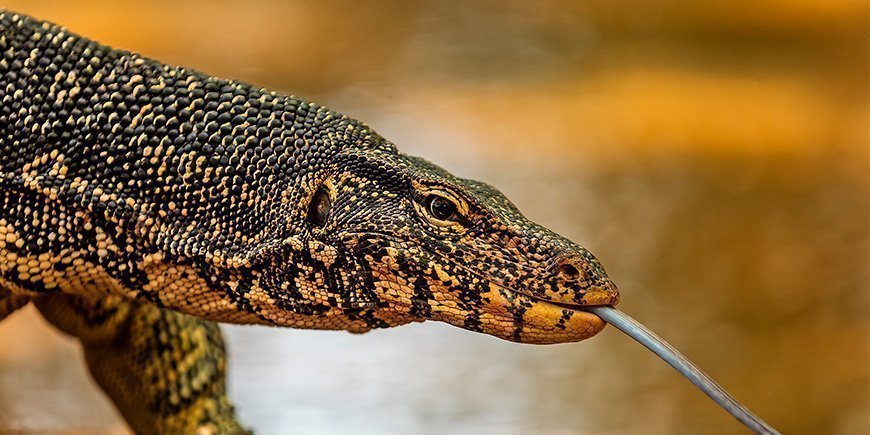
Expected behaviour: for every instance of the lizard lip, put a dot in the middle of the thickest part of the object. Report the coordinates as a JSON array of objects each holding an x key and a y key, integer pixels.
[
  {"x": 574, "y": 307},
  {"x": 577, "y": 307},
  {"x": 596, "y": 298}
]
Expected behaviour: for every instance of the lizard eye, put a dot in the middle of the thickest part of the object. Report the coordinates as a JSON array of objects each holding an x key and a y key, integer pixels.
[
  {"x": 441, "y": 208},
  {"x": 318, "y": 210}
]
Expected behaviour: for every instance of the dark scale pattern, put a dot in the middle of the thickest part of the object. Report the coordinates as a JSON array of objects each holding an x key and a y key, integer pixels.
[{"x": 140, "y": 202}]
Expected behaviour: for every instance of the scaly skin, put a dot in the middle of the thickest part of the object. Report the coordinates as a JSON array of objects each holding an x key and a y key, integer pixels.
[{"x": 141, "y": 202}]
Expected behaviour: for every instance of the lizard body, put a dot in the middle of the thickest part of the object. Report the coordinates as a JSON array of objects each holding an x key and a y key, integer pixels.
[{"x": 140, "y": 203}]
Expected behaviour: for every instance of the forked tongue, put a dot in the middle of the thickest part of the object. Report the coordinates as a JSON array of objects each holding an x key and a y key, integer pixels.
[{"x": 672, "y": 356}]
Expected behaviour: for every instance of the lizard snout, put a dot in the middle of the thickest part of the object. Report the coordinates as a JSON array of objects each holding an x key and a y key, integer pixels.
[{"x": 580, "y": 280}]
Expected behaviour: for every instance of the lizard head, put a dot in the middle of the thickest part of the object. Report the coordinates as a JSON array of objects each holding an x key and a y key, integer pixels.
[{"x": 429, "y": 245}]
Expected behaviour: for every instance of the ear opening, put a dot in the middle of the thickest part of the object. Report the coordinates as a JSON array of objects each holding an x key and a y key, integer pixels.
[{"x": 319, "y": 207}]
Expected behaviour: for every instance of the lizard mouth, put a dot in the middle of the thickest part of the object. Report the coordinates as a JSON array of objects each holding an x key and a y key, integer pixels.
[
  {"x": 584, "y": 308},
  {"x": 573, "y": 307},
  {"x": 593, "y": 299}
]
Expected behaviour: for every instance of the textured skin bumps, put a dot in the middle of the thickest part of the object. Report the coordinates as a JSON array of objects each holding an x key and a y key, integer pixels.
[
  {"x": 154, "y": 200},
  {"x": 165, "y": 371}
]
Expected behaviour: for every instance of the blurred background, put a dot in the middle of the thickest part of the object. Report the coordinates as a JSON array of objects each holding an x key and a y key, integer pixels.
[{"x": 713, "y": 154}]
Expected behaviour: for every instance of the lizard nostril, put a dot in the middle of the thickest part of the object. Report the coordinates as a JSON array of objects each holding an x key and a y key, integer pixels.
[{"x": 568, "y": 272}]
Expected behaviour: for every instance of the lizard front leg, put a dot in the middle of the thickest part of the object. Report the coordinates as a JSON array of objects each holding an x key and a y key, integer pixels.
[
  {"x": 9, "y": 302},
  {"x": 164, "y": 371}
]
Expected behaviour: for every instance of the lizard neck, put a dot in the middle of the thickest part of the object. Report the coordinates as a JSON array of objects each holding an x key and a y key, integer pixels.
[{"x": 153, "y": 175}]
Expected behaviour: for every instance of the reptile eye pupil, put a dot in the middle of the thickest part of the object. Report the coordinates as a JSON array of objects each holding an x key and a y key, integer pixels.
[
  {"x": 318, "y": 211},
  {"x": 441, "y": 208}
]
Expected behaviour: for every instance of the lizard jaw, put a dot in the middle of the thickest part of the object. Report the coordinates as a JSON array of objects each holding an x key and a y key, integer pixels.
[{"x": 516, "y": 316}]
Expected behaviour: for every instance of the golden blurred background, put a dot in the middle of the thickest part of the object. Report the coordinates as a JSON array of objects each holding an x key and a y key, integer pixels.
[{"x": 713, "y": 154}]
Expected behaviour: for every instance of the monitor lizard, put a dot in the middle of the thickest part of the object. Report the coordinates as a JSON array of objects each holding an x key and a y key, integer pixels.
[{"x": 141, "y": 204}]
